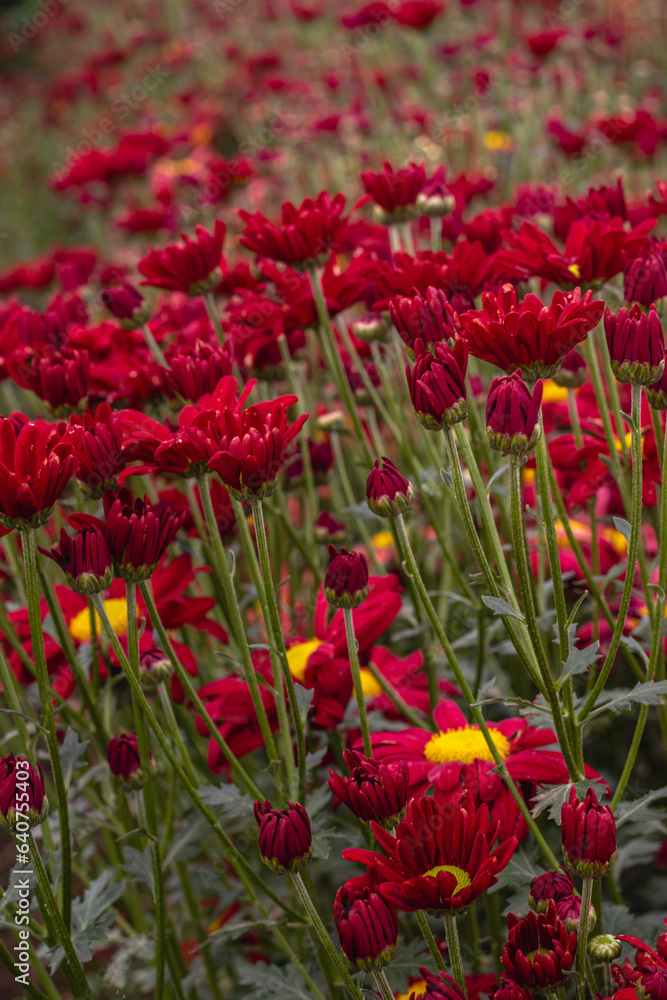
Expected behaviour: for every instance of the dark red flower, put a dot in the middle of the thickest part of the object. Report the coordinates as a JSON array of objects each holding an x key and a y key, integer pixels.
[
  {"x": 18, "y": 779},
  {"x": 346, "y": 579},
  {"x": 128, "y": 305},
  {"x": 123, "y": 758},
  {"x": 653, "y": 984},
  {"x": 193, "y": 266},
  {"x": 588, "y": 832},
  {"x": 367, "y": 924},
  {"x": 657, "y": 393},
  {"x": 442, "y": 986},
  {"x": 529, "y": 335},
  {"x": 437, "y": 384},
  {"x": 85, "y": 560},
  {"x": 645, "y": 278},
  {"x": 509, "y": 990},
  {"x": 442, "y": 857},
  {"x": 573, "y": 371},
  {"x": 512, "y": 414},
  {"x": 60, "y": 377},
  {"x": 418, "y": 14},
  {"x": 195, "y": 369},
  {"x": 636, "y": 344},
  {"x": 100, "y": 457},
  {"x": 568, "y": 909},
  {"x": 395, "y": 191},
  {"x": 285, "y": 840},
  {"x": 430, "y": 319},
  {"x": 551, "y": 885},
  {"x": 373, "y": 791},
  {"x": 539, "y": 952},
  {"x": 306, "y": 235},
  {"x": 37, "y": 461},
  {"x": 387, "y": 491},
  {"x": 137, "y": 532}
]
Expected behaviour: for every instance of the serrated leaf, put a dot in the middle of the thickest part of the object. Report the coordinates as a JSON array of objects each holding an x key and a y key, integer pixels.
[
  {"x": 578, "y": 662},
  {"x": 623, "y": 527},
  {"x": 71, "y": 751},
  {"x": 322, "y": 843},
  {"x": 520, "y": 870},
  {"x": 632, "y": 812},
  {"x": 91, "y": 917},
  {"x": 500, "y": 607},
  {"x": 631, "y": 643},
  {"x": 226, "y": 798},
  {"x": 620, "y": 699},
  {"x": 139, "y": 864},
  {"x": 552, "y": 797}
]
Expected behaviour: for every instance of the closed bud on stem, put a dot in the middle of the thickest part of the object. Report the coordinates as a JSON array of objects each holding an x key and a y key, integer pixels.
[
  {"x": 512, "y": 415},
  {"x": 589, "y": 835},
  {"x": 604, "y": 948},
  {"x": 636, "y": 345},
  {"x": 285, "y": 840},
  {"x": 23, "y": 801},
  {"x": 346, "y": 579},
  {"x": 387, "y": 491}
]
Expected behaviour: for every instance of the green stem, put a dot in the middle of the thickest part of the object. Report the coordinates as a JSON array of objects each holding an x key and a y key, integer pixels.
[
  {"x": 234, "y": 615},
  {"x": 8, "y": 961},
  {"x": 200, "y": 933},
  {"x": 633, "y": 554},
  {"x": 324, "y": 937},
  {"x": 76, "y": 976},
  {"x": 413, "y": 717},
  {"x": 245, "y": 871},
  {"x": 427, "y": 934},
  {"x": 353, "y": 654},
  {"x": 582, "y": 936},
  {"x": 413, "y": 570},
  {"x": 211, "y": 309},
  {"x": 526, "y": 590},
  {"x": 383, "y": 985},
  {"x": 277, "y": 642},
  {"x": 48, "y": 719},
  {"x": 148, "y": 792},
  {"x": 153, "y": 346},
  {"x": 454, "y": 947},
  {"x": 239, "y": 772}
]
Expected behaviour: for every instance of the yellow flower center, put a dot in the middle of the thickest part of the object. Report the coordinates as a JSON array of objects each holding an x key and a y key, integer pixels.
[
  {"x": 383, "y": 540},
  {"x": 297, "y": 658},
  {"x": 462, "y": 877},
  {"x": 416, "y": 990},
  {"x": 369, "y": 685},
  {"x": 575, "y": 270},
  {"x": 553, "y": 393},
  {"x": 116, "y": 609},
  {"x": 464, "y": 745}
]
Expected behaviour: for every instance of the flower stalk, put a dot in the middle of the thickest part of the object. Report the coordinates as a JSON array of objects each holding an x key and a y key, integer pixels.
[{"x": 454, "y": 946}]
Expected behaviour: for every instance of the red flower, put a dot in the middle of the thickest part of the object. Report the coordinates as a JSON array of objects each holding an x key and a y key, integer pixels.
[
  {"x": 36, "y": 463},
  {"x": 123, "y": 758},
  {"x": 373, "y": 791},
  {"x": 100, "y": 458},
  {"x": 60, "y": 378},
  {"x": 18, "y": 771},
  {"x": 192, "y": 266},
  {"x": 285, "y": 841},
  {"x": 589, "y": 835},
  {"x": 195, "y": 369},
  {"x": 437, "y": 384},
  {"x": 512, "y": 414},
  {"x": 306, "y": 235},
  {"x": 539, "y": 952},
  {"x": 457, "y": 757},
  {"x": 387, "y": 491},
  {"x": 429, "y": 319},
  {"x": 128, "y": 305},
  {"x": 636, "y": 344},
  {"x": 367, "y": 924},
  {"x": 529, "y": 335},
  {"x": 85, "y": 560},
  {"x": 418, "y": 13},
  {"x": 395, "y": 191},
  {"x": 442, "y": 857},
  {"x": 346, "y": 578},
  {"x": 251, "y": 446}
]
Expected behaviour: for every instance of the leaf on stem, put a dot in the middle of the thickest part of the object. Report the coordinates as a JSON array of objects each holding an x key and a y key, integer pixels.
[{"x": 500, "y": 607}]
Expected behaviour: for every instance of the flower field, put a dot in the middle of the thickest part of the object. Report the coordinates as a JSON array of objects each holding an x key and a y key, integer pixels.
[{"x": 333, "y": 525}]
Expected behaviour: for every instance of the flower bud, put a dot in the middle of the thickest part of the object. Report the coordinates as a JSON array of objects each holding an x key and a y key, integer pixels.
[
  {"x": 550, "y": 885},
  {"x": 373, "y": 791},
  {"x": 285, "y": 841},
  {"x": 509, "y": 990},
  {"x": 128, "y": 305},
  {"x": 604, "y": 948},
  {"x": 371, "y": 326},
  {"x": 645, "y": 278},
  {"x": 437, "y": 384},
  {"x": 573, "y": 371},
  {"x": 657, "y": 393},
  {"x": 653, "y": 984},
  {"x": 568, "y": 909},
  {"x": 636, "y": 345},
  {"x": 328, "y": 528},
  {"x": 123, "y": 759},
  {"x": 367, "y": 924},
  {"x": 85, "y": 560},
  {"x": 388, "y": 492},
  {"x": 154, "y": 667},
  {"x": 346, "y": 578},
  {"x": 589, "y": 835},
  {"x": 19, "y": 778},
  {"x": 512, "y": 415}
]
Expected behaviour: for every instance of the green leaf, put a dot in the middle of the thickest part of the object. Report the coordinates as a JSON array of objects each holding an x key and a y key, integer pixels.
[
  {"x": 552, "y": 797},
  {"x": 578, "y": 662},
  {"x": 496, "y": 475},
  {"x": 139, "y": 864},
  {"x": 623, "y": 527},
  {"x": 520, "y": 870},
  {"x": 620, "y": 699},
  {"x": 447, "y": 479},
  {"x": 635, "y": 812},
  {"x": 71, "y": 752},
  {"x": 500, "y": 607}
]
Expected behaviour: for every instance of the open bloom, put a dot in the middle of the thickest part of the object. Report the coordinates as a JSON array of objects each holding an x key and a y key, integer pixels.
[
  {"x": 100, "y": 457},
  {"x": 37, "y": 461},
  {"x": 306, "y": 235},
  {"x": 395, "y": 191},
  {"x": 195, "y": 369},
  {"x": 529, "y": 335},
  {"x": 192, "y": 266},
  {"x": 442, "y": 857},
  {"x": 457, "y": 757}
]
